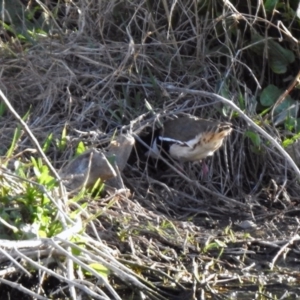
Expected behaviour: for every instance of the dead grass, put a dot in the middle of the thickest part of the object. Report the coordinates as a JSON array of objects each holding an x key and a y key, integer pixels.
[{"x": 177, "y": 233}]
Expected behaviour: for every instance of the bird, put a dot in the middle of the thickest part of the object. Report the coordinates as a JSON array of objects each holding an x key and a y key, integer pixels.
[{"x": 188, "y": 138}]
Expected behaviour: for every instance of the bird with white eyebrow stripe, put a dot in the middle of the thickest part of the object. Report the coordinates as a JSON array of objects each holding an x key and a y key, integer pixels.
[{"x": 189, "y": 138}]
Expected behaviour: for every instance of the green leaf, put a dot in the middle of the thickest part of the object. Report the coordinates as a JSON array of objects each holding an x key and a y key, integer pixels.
[
  {"x": 16, "y": 137},
  {"x": 286, "y": 112},
  {"x": 290, "y": 123},
  {"x": 270, "y": 5},
  {"x": 269, "y": 95},
  {"x": 42, "y": 234},
  {"x": 211, "y": 246},
  {"x": 286, "y": 109},
  {"x": 254, "y": 137},
  {"x": 3, "y": 108},
  {"x": 47, "y": 142},
  {"x": 23, "y": 21},
  {"x": 288, "y": 142},
  {"x": 80, "y": 148},
  {"x": 278, "y": 57},
  {"x": 216, "y": 244},
  {"x": 241, "y": 101},
  {"x": 97, "y": 188},
  {"x": 62, "y": 143},
  {"x": 285, "y": 104},
  {"x": 100, "y": 269}
]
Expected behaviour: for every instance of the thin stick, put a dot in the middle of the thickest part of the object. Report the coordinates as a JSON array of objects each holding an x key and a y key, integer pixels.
[{"x": 284, "y": 248}]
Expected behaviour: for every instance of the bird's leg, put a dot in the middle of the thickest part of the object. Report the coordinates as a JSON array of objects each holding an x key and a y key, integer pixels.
[{"x": 205, "y": 169}]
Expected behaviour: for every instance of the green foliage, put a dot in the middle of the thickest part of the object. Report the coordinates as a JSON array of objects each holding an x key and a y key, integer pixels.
[
  {"x": 278, "y": 57},
  {"x": 216, "y": 244},
  {"x": 269, "y": 95},
  {"x": 47, "y": 143},
  {"x": 97, "y": 188},
  {"x": 269, "y": 5},
  {"x": 292, "y": 124},
  {"x": 289, "y": 141},
  {"x": 286, "y": 111},
  {"x": 3, "y": 108},
  {"x": 42, "y": 173},
  {"x": 24, "y": 22},
  {"x": 255, "y": 139},
  {"x": 80, "y": 148},
  {"x": 17, "y": 136},
  {"x": 62, "y": 142},
  {"x": 217, "y": 45},
  {"x": 241, "y": 101},
  {"x": 15, "y": 139},
  {"x": 28, "y": 211},
  {"x": 100, "y": 269}
]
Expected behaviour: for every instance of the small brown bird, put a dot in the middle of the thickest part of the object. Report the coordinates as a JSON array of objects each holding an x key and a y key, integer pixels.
[{"x": 189, "y": 138}]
